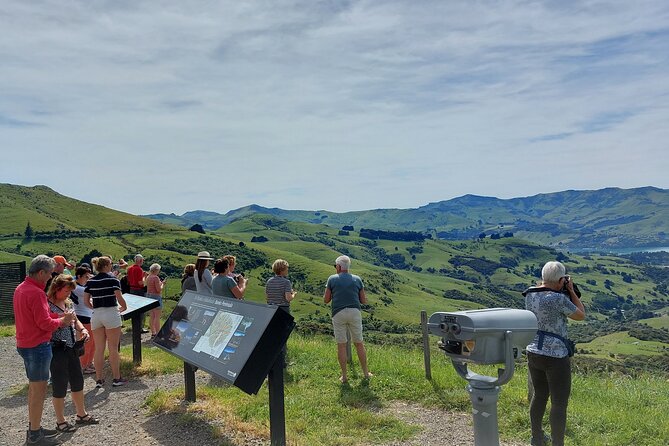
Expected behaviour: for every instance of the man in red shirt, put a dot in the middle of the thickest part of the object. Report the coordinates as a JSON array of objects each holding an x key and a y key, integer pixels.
[
  {"x": 136, "y": 276},
  {"x": 34, "y": 326}
]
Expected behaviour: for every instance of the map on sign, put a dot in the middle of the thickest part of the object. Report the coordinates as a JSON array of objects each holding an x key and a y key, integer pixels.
[{"x": 219, "y": 333}]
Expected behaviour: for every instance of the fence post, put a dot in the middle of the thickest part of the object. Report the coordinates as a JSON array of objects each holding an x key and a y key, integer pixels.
[{"x": 426, "y": 344}]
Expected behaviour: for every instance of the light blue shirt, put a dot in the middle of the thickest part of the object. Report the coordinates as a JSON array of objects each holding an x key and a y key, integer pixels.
[{"x": 345, "y": 289}]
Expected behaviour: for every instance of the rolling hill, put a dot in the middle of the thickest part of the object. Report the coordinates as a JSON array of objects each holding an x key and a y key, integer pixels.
[
  {"x": 600, "y": 219},
  {"x": 48, "y": 211},
  {"x": 402, "y": 277}
]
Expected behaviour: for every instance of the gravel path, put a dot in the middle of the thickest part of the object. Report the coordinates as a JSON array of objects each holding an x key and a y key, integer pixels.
[{"x": 126, "y": 421}]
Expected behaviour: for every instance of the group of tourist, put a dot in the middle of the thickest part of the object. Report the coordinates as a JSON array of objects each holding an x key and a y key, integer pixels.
[
  {"x": 49, "y": 338},
  {"x": 59, "y": 331},
  {"x": 66, "y": 317},
  {"x": 223, "y": 281}
]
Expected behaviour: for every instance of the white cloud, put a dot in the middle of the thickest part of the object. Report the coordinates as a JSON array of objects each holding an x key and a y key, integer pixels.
[{"x": 215, "y": 106}]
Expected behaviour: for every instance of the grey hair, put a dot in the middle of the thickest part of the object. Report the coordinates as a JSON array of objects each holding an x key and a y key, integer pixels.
[
  {"x": 552, "y": 272},
  {"x": 41, "y": 263},
  {"x": 344, "y": 262},
  {"x": 138, "y": 256},
  {"x": 154, "y": 268}
]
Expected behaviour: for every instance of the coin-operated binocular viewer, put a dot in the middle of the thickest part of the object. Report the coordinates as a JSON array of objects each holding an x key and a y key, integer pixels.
[{"x": 490, "y": 336}]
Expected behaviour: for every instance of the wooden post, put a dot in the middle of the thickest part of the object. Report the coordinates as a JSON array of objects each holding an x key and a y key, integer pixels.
[
  {"x": 426, "y": 344},
  {"x": 349, "y": 355}
]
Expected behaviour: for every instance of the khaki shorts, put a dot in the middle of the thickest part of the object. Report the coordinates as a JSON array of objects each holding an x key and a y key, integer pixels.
[
  {"x": 107, "y": 317},
  {"x": 347, "y": 319}
]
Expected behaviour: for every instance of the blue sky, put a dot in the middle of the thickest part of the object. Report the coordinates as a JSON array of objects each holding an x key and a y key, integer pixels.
[{"x": 147, "y": 106}]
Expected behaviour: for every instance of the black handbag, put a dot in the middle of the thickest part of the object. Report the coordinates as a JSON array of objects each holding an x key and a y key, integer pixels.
[{"x": 79, "y": 347}]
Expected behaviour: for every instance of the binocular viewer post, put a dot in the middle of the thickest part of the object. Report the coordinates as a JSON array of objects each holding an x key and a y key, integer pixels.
[{"x": 489, "y": 336}]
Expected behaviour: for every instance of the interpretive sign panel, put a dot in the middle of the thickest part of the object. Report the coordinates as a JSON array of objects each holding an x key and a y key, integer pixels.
[
  {"x": 136, "y": 305},
  {"x": 235, "y": 340}
]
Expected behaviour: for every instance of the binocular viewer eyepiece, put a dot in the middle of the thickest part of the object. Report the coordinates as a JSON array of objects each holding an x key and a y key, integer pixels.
[{"x": 480, "y": 336}]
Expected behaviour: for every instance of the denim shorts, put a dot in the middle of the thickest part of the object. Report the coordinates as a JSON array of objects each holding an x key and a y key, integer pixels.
[
  {"x": 157, "y": 297},
  {"x": 37, "y": 361}
]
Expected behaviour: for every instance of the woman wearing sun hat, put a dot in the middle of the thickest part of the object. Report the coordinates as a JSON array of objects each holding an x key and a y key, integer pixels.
[{"x": 202, "y": 274}]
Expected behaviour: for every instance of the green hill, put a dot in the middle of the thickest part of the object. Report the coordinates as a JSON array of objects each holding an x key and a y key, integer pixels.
[
  {"x": 48, "y": 211},
  {"x": 402, "y": 277},
  {"x": 601, "y": 219}
]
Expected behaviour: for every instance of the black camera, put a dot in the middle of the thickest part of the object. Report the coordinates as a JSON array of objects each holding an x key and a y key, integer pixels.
[{"x": 566, "y": 291}]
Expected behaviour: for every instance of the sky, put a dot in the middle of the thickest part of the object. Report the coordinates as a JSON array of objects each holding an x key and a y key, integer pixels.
[{"x": 148, "y": 106}]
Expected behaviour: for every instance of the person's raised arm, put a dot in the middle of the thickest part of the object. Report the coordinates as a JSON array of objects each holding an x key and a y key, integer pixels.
[
  {"x": 327, "y": 297},
  {"x": 290, "y": 295},
  {"x": 579, "y": 314},
  {"x": 238, "y": 291},
  {"x": 43, "y": 319}
]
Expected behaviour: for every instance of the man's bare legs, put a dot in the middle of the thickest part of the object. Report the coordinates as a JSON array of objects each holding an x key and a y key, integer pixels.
[
  {"x": 342, "y": 358},
  {"x": 362, "y": 357},
  {"x": 36, "y": 396}
]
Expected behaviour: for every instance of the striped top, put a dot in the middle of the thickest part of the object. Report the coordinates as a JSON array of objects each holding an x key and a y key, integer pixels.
[
  {"x": 276, "y": 289},
  {"x": 102, "y": 289}
]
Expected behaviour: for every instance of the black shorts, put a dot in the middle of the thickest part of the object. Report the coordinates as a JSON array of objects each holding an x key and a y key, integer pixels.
[{"x": 65, "y": 369}]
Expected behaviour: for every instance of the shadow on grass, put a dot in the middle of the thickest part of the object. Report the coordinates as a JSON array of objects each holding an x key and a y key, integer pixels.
[{"x": 360, "y": 396}]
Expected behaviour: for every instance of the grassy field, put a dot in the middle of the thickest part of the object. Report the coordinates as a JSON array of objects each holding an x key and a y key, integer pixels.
[
  {"x": 603, "y": 410},
  {"x": 621, "y": 343},
  {"x": 657, "y": 322}
]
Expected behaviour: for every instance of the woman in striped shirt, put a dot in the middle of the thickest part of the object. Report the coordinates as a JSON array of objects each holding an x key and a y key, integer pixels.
[{"x": 103, "y": 294}]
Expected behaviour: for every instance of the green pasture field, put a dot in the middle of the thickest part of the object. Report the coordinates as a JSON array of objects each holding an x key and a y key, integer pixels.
[
  {"x": 321, "y": 411},
  {"x": 621, "y": 343},
  {"x": 657, "y": 322}
]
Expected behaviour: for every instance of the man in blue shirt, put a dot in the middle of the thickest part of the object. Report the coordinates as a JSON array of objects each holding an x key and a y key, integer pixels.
[{"x": 346, "y": 292}]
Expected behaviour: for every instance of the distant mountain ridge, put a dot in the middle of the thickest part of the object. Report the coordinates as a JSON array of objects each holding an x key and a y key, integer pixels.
[{"x": 604, "y": 218}]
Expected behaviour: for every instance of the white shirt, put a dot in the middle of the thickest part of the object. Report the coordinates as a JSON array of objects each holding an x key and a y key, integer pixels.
[
  {"x": 204, "y": 286},
  {"x": 81, "y": 309}
]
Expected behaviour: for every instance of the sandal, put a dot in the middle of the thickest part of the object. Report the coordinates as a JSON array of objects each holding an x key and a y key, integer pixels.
[
  {"x": 65, "y": 427},
  {"x": 87, "y": 419}
]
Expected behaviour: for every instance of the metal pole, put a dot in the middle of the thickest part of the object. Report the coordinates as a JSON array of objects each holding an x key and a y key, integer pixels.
[
  {"x": 426, "y": 345},
  {"x": 277, "y": 415},
  {"x": 484, "y": 409},
  {"x": 136, "y": 339},
  {"x": 189, "y": 382},
  {"x": 349, "y": 355}
]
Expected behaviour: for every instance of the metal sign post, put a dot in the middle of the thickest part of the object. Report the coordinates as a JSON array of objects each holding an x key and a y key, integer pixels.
[
  {"x": 277, "y": 414},
  {"x": 137, "y": 306},
  {"x": 189, "y": 382}
]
